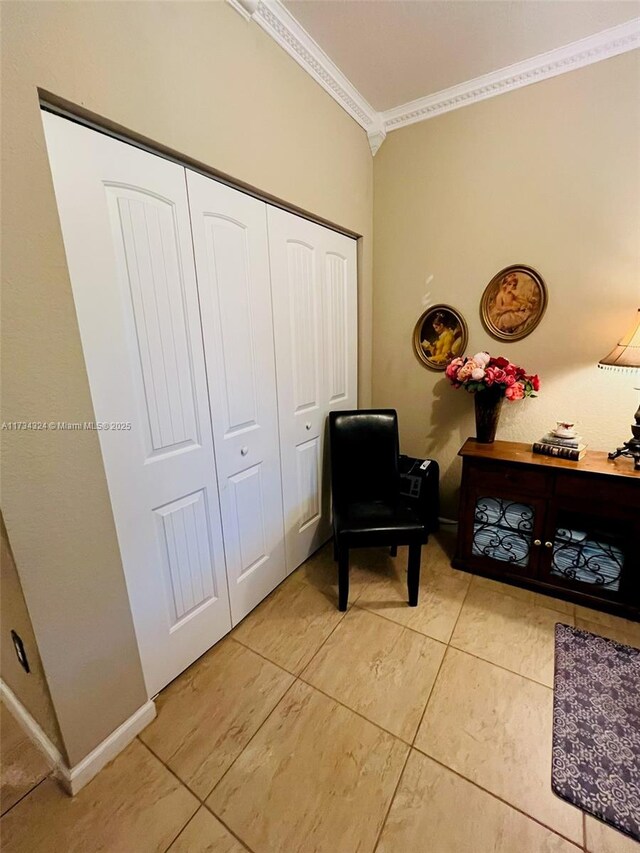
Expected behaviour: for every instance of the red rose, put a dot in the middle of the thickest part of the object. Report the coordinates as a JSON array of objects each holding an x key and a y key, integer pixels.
[
  {"x": 500, "y": 362},
  {"x": 535, "y": 382}
]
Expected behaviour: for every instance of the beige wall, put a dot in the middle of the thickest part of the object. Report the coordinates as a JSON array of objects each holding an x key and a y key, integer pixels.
[
  {"x": 31, "y": 687},
  {"x": 548, "y": 176},
  {"x": 197, "y": 78}
]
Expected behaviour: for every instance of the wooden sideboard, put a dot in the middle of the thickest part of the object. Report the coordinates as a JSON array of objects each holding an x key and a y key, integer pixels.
[{"x": 569, "y": 529}]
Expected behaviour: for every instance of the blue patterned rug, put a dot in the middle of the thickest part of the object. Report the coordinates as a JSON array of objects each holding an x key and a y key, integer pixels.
[{"x": 596, "y": 727}]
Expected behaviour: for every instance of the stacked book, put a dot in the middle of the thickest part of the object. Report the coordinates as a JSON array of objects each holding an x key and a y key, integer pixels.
[{"x": 563, "y": 446}]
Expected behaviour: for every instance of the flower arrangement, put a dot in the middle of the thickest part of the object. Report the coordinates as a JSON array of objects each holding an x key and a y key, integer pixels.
[{"x": 504, "y": 378}]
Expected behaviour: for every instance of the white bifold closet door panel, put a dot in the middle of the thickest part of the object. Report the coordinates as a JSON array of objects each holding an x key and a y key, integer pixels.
[
  {"x": 232, "y": 264},
  {"x": 126, "y": 230},
  {"x": 314, "y": 286}
]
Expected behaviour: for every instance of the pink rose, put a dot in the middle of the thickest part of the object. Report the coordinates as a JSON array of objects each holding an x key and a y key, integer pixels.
[
  {"x": 452, "y": 368},
  {"x": 495, "y": 375},
  {"x": 514, "y": 392}
]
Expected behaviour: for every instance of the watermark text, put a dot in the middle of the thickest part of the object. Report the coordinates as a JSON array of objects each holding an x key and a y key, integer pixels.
[{"x": 64, "y": 426}]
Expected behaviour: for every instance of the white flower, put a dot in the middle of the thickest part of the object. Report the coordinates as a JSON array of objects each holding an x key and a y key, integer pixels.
[
  {"x": 477, "y": 373},
  {"x": 482, "y": 358}
]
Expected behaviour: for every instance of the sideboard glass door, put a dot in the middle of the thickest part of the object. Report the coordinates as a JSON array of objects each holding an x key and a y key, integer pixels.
[
  {"x": 505, "y": 531},
  {"x": 587, "y": 552}
]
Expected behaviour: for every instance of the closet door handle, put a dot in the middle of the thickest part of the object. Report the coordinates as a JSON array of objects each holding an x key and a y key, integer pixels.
[
  {"x": 307, "y": 426},
  {"x": 537, "y": 542},
  {"x": 548, "y": 544},
  {"x": 244, "y": 451}
]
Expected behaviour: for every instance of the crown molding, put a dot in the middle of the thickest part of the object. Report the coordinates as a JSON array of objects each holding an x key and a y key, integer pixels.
[
  {"x": 246, "y": 8},
  {"x": 275, "y": 20},
  {"x": 283, "y": 28},
  {"x": 377, "y": 135},
  {"x": 577, "y": 54},
  {"x": 272, "y": 16}
]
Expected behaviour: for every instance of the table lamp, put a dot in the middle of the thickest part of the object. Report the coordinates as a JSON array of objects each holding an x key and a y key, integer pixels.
[{"x": 626, "y": 356}]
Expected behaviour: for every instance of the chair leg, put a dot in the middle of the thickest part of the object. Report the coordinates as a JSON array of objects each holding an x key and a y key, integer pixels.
[
  {"x": 413, "y": 574},
  {"x": 393, "y": 551},
  {"x": 335, "y": 550},
  {"x": 343, "y": 578}
]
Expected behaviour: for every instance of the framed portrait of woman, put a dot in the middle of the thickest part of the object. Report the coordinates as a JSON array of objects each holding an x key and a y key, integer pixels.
[
  {"x": 513, "y": 303},
  {"x": 440, "y": 335}
]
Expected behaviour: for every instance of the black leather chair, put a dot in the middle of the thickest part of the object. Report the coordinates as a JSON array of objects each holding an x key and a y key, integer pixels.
[{"x": 367, "y": 507}]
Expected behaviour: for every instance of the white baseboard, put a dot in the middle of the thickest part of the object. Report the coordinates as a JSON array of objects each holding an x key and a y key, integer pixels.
[
  {"x": 73, "y": 779},
  {"x": 76, "y": 777},
  {"x": 31, "y": 727}
]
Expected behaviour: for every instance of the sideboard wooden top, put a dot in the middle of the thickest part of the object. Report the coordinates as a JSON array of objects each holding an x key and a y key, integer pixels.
[{"x": 593, "y": 462}]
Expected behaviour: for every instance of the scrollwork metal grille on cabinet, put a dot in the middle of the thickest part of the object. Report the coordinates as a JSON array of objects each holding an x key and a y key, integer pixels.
[
  {"x": 502, "y": 530},
  {"x": 583, "y": 557}
]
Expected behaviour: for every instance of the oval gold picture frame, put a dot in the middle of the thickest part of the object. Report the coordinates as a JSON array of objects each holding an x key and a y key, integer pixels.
[
  {"x": 513, "y": 303},
  {"x": 440, "y": 335}
]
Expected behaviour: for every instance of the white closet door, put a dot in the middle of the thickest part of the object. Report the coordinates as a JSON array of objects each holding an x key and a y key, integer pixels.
[
  {"x": 314, "y": 284},
  {"x": 340, "y": 320},
  {"x": 126, "y": 230},
  {"x": 232, "y": 262}
]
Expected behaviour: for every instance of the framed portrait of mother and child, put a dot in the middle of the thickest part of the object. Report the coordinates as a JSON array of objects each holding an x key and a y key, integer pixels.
[{"x": 512, "y": 305}]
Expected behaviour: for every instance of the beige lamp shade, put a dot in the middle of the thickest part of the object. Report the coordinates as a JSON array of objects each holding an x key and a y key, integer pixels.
[{"x": 626, "y": 355}]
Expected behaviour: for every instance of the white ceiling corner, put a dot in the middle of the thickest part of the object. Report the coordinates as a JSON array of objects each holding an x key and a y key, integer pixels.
[{"x": 278, "y": 22}]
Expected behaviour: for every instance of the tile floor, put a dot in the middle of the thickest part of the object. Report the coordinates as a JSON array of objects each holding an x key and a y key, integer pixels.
[
  {"x": 22, "y": 766},
  {"x": 398, "y": 730}
]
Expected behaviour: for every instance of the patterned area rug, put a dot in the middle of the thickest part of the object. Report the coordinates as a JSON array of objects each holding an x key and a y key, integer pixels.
[{"x": 596, "y": 727}]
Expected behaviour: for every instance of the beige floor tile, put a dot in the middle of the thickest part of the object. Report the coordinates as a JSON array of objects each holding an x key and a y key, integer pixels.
[
  {"x": 435, "y": 811},
  {"x": 316, "y": 777},
  {"x": 601, "y": 838},
  {"x": 512, "y": 633},
  {"x": 494, "y": 727},
  {"x": 205, "y": 834},
  {"x": 289, "y": 627},
  {"x": 208, "y": 714},
  {"x": 22, "y": 765},
  {"x": 321, "y": 571},
  {"x": 621, "y": 630},
  {"x": 548, "y": 601},
  {"x": 600, "y": 617},
  {"x": 442, "y": 591},
  {"x": 134, "y": 805},
  {"x": 378, "y": 668}
]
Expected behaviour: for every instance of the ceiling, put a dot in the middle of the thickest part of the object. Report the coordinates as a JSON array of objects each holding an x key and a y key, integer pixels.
[{"x": 395, "y": 51}]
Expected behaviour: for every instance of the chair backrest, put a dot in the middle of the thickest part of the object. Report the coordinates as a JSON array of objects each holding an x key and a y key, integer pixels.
[{"x": 364, "y": 455}]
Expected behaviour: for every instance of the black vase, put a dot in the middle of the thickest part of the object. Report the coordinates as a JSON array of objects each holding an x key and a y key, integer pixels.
[{"x": 488, "y": 403}]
